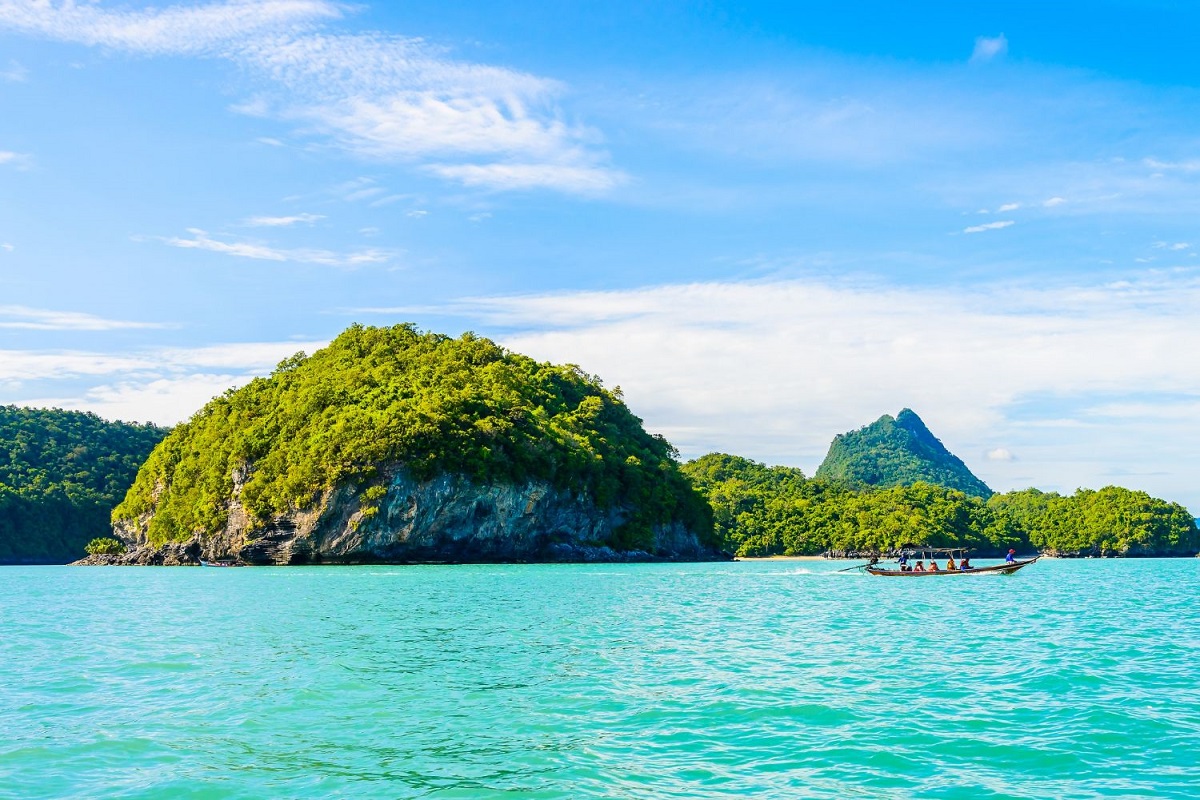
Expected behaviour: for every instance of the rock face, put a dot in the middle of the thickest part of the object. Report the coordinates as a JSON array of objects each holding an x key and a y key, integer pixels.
[{"x": 447, "y": 519}]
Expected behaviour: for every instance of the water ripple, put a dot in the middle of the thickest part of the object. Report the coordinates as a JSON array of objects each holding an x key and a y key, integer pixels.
[{"x": 1073, "y": 679}]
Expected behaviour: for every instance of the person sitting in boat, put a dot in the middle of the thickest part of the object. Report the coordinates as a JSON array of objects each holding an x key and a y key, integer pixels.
[
  {"x": 950, "y": 565},
  {"x": 1011, "y": 557},
  {"x": 965, "y": 564},
  {"x": 933, "y": 567},
  {"x": 920, "y": 567}
]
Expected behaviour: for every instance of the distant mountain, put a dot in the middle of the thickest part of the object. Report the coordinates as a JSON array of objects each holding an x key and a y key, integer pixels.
[
  {"x": 61, "y": 473},
  {"x": 897, "y": 451}
]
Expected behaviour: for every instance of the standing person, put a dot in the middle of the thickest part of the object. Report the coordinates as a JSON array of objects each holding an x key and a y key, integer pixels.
[{"x": 1011, "y": 557}]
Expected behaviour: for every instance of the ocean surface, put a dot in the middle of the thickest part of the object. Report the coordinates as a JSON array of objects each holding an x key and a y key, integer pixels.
[{"x": 782, "y": 679}]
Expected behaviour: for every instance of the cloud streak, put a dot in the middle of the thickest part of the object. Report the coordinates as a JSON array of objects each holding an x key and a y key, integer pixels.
[
  {"x": 385, "y": 97},
  {"x": 201, "y": 240},
  {"x": 989, "y": 226},
  {"x": 40, "y": 319}
]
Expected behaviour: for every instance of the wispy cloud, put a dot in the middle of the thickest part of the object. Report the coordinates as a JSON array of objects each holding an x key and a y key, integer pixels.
[
  {"x": 1053, "y": 201},
  {"x": 40, "y": 319},
  {"x": 989, "y": 226},
  {"x": 999, "y": 454},
  {"x": 584, "y": 180},
  {"x": 18, "y": 160},
  {"x": 1008, "y": 207},
  {"x": 208, "y": 28},
  {"x": 1191, "y": 165},
  {"x": 201, "y": 240},
  {"x": 1174, "y": 246},
  {"x": 988, "y": 48},
  {"x": 381, "y": 96},
  {"x": 14, "y": 73},
  {"x": 282, "y": 222},
  {"x": 7, "y": 247},
  {"x": 163, "y": 385}
]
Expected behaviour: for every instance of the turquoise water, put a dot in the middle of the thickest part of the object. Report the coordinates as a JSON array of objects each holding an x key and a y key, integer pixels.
[{"x": 1071, "y": 679}]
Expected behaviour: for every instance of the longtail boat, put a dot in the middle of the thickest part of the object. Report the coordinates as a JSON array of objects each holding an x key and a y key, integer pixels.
[
  {"x": 204, "y": 563},
  {"x": 932, "y": 553}
]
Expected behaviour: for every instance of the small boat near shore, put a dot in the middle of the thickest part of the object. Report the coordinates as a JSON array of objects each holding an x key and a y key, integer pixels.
[
  {"x": 931, "y": 554},
  {"x": 204, "y": 563}
]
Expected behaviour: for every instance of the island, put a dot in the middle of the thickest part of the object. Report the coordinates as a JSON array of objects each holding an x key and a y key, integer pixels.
[
  {"x": 892, "y": 484},
  {"x": 396, "y": 445}
]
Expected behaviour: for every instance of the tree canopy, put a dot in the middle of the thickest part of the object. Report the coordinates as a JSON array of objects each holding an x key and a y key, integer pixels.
[
  {"x": 760, "y": 510},
  {"x": 377, "y": 399},
  {"x": 61, "y": 473}
]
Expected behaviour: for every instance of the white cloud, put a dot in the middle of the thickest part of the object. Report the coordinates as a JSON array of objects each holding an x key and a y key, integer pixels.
[
  {"x": 999, "y": 454},
  {"x": 583, "y": 180},
  {"x": 18, "y": 160},
  {"x": 39, "y": 319},
  {"x": 381, "y": 96},
  {"x": 1175, "y": 246},
  {"x": 1008, "y": 207},
  {"x": 163, "y": 385},
  {"x": 1192, "y": 165},
  {"x": 14, "y": 73},
  {"x": 988, "y": 226},
  {"x": 282, "y": 222},
  {"x": 6, "y": 247},
  {"x": 988, "y": 48},
  {"x": 198, "y": 29},
  {"x": 773, "y": 370},
  {"x": 417, "y": 213},
  {"x": 1054, "y": 201},
  {"x": 202, "y": 241}
]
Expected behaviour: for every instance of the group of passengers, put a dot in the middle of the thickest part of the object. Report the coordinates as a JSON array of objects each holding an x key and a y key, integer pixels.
[{"x": 965, "y": 564}]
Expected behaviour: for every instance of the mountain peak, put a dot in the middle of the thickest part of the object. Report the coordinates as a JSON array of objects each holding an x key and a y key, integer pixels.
[{"x": 895, "y": 451}]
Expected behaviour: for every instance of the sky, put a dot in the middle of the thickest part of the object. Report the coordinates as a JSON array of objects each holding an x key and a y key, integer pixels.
[{"x": 767, "y": 223}]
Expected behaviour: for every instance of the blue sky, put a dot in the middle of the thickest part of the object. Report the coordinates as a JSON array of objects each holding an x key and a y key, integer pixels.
[{"x": 766, "y": 224}]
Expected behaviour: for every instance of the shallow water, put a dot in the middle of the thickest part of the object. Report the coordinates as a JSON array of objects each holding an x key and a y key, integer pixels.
[{"x": 1071, "y": 679}]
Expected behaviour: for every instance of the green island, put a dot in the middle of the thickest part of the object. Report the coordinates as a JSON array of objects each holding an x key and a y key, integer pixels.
[
  {"x": 61, "y": 473},
  {"x": 892, "y": 484},
  {"x": 394, "y": 444}
]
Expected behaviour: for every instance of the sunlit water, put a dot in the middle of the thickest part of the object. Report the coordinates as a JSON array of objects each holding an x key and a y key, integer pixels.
[{"x": 1071, "y": 679}]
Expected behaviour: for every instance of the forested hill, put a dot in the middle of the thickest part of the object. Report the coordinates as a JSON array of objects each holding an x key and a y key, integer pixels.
[
  {"x": 61, "y": 474},
  {"x": 762, "y": 511},
  {"x": 897, "y": 452},
  {"x": 366, "y": 425}
]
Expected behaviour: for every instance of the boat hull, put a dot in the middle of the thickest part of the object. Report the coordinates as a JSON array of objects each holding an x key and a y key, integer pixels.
[{"x": 997, "y": 569}]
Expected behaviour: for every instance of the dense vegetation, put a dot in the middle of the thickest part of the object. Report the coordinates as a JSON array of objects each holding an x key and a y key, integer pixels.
[
  {"x": 760, "y": 510},
  {"x": 380, "y": 397},
  {"x": 897, "y": 452},
  {"x": 61, "y": 473}
]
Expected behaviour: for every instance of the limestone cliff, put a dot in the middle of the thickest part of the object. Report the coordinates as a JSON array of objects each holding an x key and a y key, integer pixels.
[{"x": 446, "y": 519}]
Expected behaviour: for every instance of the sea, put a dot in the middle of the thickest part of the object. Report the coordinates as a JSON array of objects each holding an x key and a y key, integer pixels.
[{"x": 773, "y": 679}]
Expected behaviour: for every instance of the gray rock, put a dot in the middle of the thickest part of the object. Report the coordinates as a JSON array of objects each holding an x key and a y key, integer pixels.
[{"x": 447, "y": 519}]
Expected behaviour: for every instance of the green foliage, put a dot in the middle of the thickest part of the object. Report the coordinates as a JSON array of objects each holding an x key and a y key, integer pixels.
[
  {"x": 61, "y": 473},
  {"x": 760, "y": 510},
  {"x": 104, "y": 546},
  {"x": 897, "y": 452},
  {"x": 378, "y": 397},
  {"x": 1110, "y": 521}
]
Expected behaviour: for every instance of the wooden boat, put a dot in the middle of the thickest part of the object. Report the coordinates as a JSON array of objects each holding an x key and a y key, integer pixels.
[
  {"x": 996, "y": 569},
  {"x": 204, "y": 563},
  {"x": 930, "y": 554}
]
